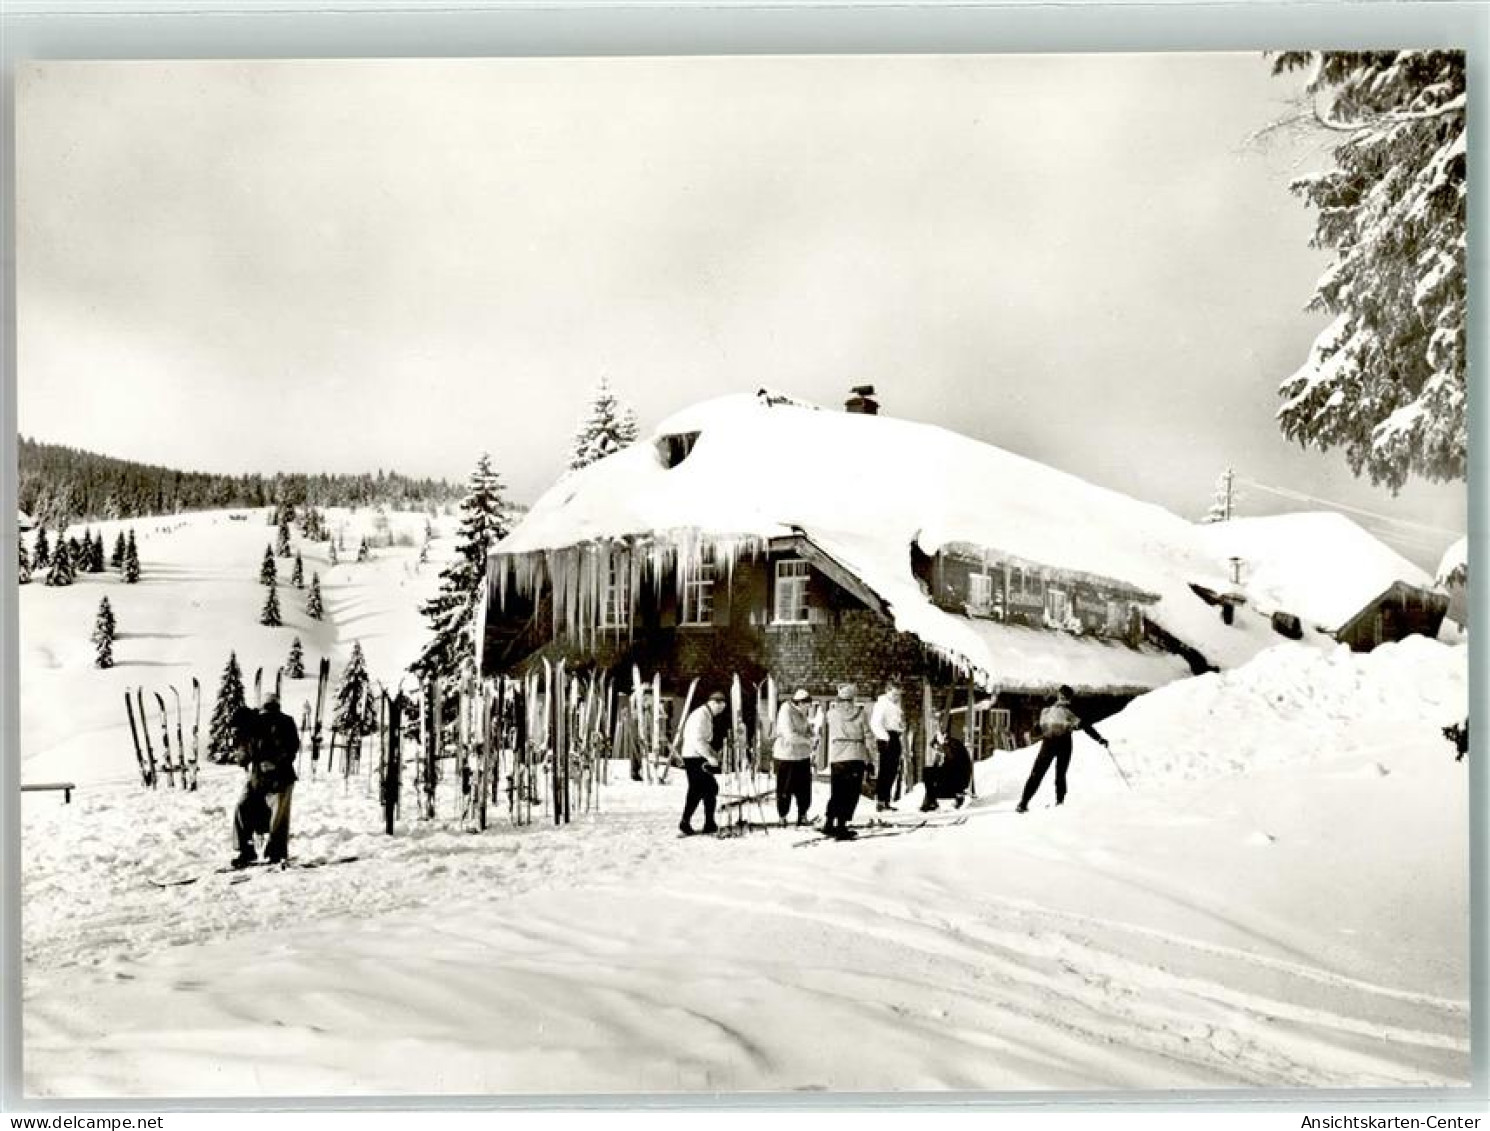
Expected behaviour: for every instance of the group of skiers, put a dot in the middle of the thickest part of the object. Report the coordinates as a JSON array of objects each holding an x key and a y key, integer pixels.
[{"x": 862, "y": 742}]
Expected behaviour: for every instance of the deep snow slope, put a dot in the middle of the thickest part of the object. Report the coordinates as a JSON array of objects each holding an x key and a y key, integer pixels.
[{"x": 1280, "y": 898}]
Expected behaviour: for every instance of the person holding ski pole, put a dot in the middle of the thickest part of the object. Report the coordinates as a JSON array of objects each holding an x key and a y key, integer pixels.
[
  {"x": 1057, "y": 723},
  {"x": 792, "y": 751},
  {"x": 887, "y": 722},
  {"x": 700, "y": 761},
  {"x": 267, "y": 743},
  {"x": 848, "y": 758}
]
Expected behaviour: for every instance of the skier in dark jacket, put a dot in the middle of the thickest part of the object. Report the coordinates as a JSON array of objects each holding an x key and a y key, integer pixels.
[
  {"x": 267, "y": 744},
  {"x": 1057, "y": 723}
]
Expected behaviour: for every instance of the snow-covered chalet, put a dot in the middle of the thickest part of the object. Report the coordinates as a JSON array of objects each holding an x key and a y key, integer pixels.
[{"x": 758, "y": 535}]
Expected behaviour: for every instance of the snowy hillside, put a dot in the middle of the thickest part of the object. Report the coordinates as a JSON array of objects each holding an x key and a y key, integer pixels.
[
  {"x": 198, "y": 599},
  {"x": 1280, "y": 899}
]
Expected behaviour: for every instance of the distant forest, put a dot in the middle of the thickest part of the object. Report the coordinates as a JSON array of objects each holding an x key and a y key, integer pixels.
[{"x": 60, "y": 485}]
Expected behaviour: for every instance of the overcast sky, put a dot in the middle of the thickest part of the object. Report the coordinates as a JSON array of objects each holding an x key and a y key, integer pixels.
[{"x": 343, "y": 266}]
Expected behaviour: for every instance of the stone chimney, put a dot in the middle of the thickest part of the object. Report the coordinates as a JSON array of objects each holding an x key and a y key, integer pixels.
[{"x": 862, "y": 401}]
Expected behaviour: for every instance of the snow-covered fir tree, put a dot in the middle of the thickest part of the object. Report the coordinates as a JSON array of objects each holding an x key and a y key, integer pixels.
[
  {"x": 483, "y": 523},
  {"x": 297, "y": 574},
  {"x": 96, "y": 558},
  {"x": 131, "y": 559},
  {"x": 351, "y": 715},
  {"x": 220, "y": 743},
  {"x": 268, "y": 568},
  {"x": 84, "y": 563},
  {"x": 24, "y": 574},
  {"x": 282, "y": 539},
  {"x": 1385, "y": 381},
  {"x": 295, "y": 665},
  {"x": 313, "y": 606},
  {"x": 61, "y": 572},
  {"x": 76, "y": 561},
  {"x": 608, "y": 426},
  {"x": 270, "y": 613},
  {"x": 41, "y": 552},
  {"x": 103, "y": 635},
  {"x": 1223, "y": 502},
  {"x": 116, "y": 559}
]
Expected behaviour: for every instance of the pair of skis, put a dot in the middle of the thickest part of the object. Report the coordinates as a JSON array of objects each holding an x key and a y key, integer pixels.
[{"x": 183, "y": 765}]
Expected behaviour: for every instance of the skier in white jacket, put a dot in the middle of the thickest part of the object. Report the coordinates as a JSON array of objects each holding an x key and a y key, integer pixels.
[
  {"x": 887, "y": 723},
  {"x": 792, "y": 751},
  {"x": 700, "y": 761}
]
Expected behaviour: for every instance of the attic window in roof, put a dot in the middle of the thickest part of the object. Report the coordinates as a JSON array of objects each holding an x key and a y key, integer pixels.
[{"x": 674, "y": 449}]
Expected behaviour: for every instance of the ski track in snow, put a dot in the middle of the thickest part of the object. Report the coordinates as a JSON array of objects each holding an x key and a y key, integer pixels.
[{"x": 1303, "y": 924}]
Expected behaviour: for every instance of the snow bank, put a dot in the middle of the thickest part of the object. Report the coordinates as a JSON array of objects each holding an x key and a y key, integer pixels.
[
  {"x": 1255, "y": 716},
  {"x": 1453, "y": 569}
]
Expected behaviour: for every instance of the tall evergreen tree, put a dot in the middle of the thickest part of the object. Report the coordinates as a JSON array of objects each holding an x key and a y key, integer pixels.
[
  {"x": 95, "y": 559},
  {"x": 24, "y": 576},
  {"x": 313, "y": 608},
  {"x": 75, "y": 559},
  {"x": 131, "y": 559},
  {"x": 297, "y": 575},
  {"x": 41, "y": 552},
  {"x": 608, "y": 426},
  {"x": 103, "y": 635},
  {"x": 295, "y": 665},
  {"x": 483, "y": 523},
  {"x": 116, "y": 559},
  {"x": 282, "y": 541},
  {"x": 351, "y": 715},
  {"x": 220, "y": 743},
  {"x": 1386, "y": 380},
  {"x": 270, "y": 614},
  {"x": 84, "y": 564},
  {"x": 268, "y": 570}
]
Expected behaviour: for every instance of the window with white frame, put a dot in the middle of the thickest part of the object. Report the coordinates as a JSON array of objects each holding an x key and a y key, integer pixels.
[
  {"x": 698, "y": 592},
  {"x": 980, "y": 592},
  {"x": 791, "y": 592},
  {"x": 615, "y": 598}
]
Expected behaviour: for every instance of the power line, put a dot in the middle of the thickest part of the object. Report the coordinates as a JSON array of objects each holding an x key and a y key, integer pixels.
[{"x": 1301, "y": 497}]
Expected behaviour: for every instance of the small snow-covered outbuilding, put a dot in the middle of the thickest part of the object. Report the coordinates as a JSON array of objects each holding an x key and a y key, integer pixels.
[
  {"x": 761, "y": 535},
  {"x": 1330, "y": 574}
]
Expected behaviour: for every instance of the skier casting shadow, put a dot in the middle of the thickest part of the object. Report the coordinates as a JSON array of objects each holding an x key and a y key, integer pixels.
[
  {"x": 267, "y": 743},
  {"x": 1057, "y": 723}
]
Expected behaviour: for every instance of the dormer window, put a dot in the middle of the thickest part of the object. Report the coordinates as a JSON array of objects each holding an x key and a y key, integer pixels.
[{"x": 674, "y": 449}]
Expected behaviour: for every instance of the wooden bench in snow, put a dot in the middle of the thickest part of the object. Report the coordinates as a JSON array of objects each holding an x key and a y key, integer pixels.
[{"x": 65, "y": 786}]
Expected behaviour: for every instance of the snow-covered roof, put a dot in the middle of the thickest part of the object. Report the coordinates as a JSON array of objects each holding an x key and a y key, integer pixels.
[
  {"x": 1318, "y": 565},
  {"x": 866, "y": 488},
  {"x": 1454, "y": 568}
]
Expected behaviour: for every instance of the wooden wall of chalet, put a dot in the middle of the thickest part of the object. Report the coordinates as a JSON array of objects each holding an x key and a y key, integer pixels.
[
  {"x": 843, "y": 640},
  {"x": 1401, "y": 611}
]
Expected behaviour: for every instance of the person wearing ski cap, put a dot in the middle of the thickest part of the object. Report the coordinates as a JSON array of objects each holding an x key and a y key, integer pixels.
[
  {"x": 848, "y": 758},
  {"x": 792, "y": 750},
  {"x": 1057, "y": 723},
  {"x": 887, "y": 722},
  {"x": 700, "y": 761},
  {"x": 267, "y": 743}
]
